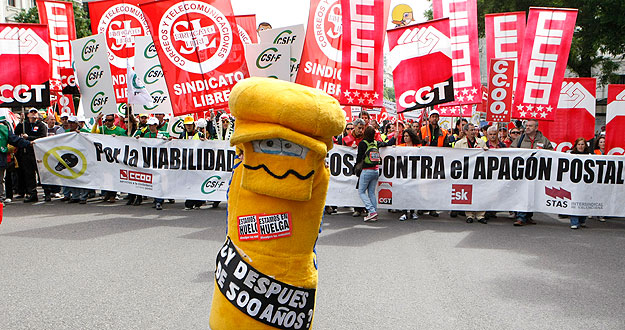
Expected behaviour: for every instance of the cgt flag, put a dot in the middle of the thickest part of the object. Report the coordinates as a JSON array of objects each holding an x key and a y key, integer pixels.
[
  {"x": 201, "y": 53},
  {"x": 25, "y": 58},
  {"x": 615, "y": 121},
  {"x": 322, "y": 54},
  {"x": 420, "y": 56},
  {"x": 504, "y": 37},
  {"x": 543, "y": 63},
  {"x": 120, "y": 22},
  {"x": 362, "y": 71},
  {"x": 464, "y": 46},
  {"x": 575, "y": 115}
]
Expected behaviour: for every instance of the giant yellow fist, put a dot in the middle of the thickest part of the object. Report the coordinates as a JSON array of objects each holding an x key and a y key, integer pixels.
[{"x": 266, "y": 275}]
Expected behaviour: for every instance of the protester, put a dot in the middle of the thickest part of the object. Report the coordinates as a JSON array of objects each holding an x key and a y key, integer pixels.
[
  {"x": 143, "y": 121},
  {"x": 580, "y": 147},
  {"x": 109, "y": 128},
  {"x": 225, "y": 127},
  {"x": 457, "y": 132},
  {"x": 154, "y": 133},
  {"x": 78, "y": 195},
  {"x": 8, "y": 138},
  {"x": 348, "y": 129},
  {"x": 64, "y": 123},
  {"x": 190, "y": 133},
  {"x": 53, "y": 127},
  {"x": 471, "y": 140},
  {"x": 162, "y": 123},
  {"x": 368, "y": 158},
  {"x": 504, "y": 137},
  {"x": 531, "y": 139},
  {"x": 82, "y": 124},
  {"x": 493, "y": 141},
  {"x": 435, "y": 136},
  {"x": 599, "y": 147},
  {"x": 353, "y": 139},
  {"x": 31, "y": 129},
  {"x": 201, "y": 127},
  {"x": 409, "y": 139}
]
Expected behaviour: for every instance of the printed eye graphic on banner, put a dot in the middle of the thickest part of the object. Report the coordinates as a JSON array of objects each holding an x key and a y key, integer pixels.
[{"x": 198, "y": 28}]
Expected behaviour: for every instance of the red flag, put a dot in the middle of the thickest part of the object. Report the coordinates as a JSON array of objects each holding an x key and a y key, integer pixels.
[
  {"x": 25, "y": 58},
  {"x": 420, "y": 57},
  {"x": 59, "y": 16},
  {"x": 464, "y": 46},
  {"x": 201, "y": 53},
  {"x": 322, "y": 56},
  {"x": 500, "y": 90},
  {"x": 543, "y": 62},
  {"x": 504, "y": 37},
  {"x": 363, "y": 62},
  {"x": 465, "y": 110},
  {"x": 575, "y": 115},
  {"x": 615, "y": 121},
  {"x": 120, "y": 22},
  {"x": 246, "y": 26}
]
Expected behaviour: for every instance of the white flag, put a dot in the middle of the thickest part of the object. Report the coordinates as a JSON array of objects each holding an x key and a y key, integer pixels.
[{"x": 137, "y": 93}]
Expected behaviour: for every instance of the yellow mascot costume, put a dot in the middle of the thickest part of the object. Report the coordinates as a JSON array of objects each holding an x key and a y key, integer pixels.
[{"x": 266, "y": 275}]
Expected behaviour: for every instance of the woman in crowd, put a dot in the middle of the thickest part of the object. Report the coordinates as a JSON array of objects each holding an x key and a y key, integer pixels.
[
  {"x": 580, "y": 147},
  {"x": 369, "y": 156},
  {"x": 348, "y": 130},
  {"x": 599, "y": 148},
  {"x": 409, "y": 139}
]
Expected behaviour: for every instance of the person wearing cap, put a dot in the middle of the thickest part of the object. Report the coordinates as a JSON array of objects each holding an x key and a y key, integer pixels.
[
  {"x": 225, "y": 127},
  {"x": 154, "y": 133},
  {"x": 162, "y": 123},
  {"x": 82, "y": 124},
  {"x": 190, "y": 133},
  {"x": 143, "y": 121},
  {"x": 7, "y": 138},
  {"x": 109, "y": 127},
  {"x": 201, "y": 127},
  {"x": 78, "y": 195},
  {"x": 53, "y": 129},
  {"x": 31, "y": 129},
  {"x": 433, "y": 135},
  {"x": 63, "y": 119}
]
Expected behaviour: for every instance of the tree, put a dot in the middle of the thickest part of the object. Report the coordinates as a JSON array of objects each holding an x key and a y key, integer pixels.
[
  {"x": 81, "y": 19},
  {"x": 598, "y": 36}
]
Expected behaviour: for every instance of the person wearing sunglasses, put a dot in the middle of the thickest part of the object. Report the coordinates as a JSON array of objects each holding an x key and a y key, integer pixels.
[{"x": 108, "y": 128}]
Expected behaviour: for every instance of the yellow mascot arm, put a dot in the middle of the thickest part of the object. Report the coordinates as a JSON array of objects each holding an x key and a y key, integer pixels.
[{"x": 266, "y": 276}]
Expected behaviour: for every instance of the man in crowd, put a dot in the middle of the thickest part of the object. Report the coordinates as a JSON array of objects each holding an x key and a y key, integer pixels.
[
  {"x": 493, "y": 139},
  {"x": 143, "y": 121},
  {"x": 356, "y": 135},
  {"x": 82, "y": 125},
  {"x": 53, "y": 128},
  {"x": 78, "y": 195},
  {"x": 504, "y": 137},
  {"x": 471, "y": 140},
  {"x": 154, "y": 133},
  {"x": 162, "y": 123},
  {"x": 531, "y": 139},
  {"x": 31, "y": 129},
  {"x": 190, "y": 132},
  {"x": 109, "y": 128},
  {"x": 432, "y": 134},
  {"x": 64, "y": 123},
  {"x": 8, "y": 138}
]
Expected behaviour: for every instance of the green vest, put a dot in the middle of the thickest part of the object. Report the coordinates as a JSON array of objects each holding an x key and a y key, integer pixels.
[{"x": 4, "y": 138}]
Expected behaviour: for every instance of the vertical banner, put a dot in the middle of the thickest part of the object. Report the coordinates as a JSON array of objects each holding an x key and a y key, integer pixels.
[
  {"x": 149, "y": 69},
  {"x": 542, "y": 64},
  {"x": 501, "y": 76},
  {"x": 504, "y": 37},
  {"x": 94, "y": 75},
  {"x": 420, "y": 56},
  {"x": 25, "y": 58},
  {"x": 246, "y": 25},
  {"x": 201, "y": 53},
  {"x": 120, "y": 21},
  {"x": 268, "y": 60},
  {"x": 615, "y": 121},
  {"x": 575, "y": 115},
  {"x": 322, "y": 54},
  {"x": 59, "y": 16},
  {"x": 362, "y": 69},
  {"x": 290, "y": 35},
  {"x": 464, "y": 46}
]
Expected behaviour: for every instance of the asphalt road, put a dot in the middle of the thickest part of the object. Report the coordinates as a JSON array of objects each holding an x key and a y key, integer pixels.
[{"x": 103, "y": 266}]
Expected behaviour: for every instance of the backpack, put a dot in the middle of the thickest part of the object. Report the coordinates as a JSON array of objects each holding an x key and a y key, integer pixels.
[{"x": 372, "y": 154}]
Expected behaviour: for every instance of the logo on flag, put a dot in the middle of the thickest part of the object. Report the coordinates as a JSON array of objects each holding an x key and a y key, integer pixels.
[{"x": 329, "y": 28}]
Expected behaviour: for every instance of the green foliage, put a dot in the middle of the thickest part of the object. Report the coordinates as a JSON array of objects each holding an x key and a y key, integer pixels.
[
  {"x": 598, "y": 35},
  {"x": 81, "y": 19},
  {"x": 389, "y": 93}
]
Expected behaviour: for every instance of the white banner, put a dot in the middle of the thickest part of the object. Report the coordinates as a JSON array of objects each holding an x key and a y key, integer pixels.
[
  {"x": 149, "y": 69},
  {"x": 268, "y": 60},
  {"x": 94, "y": 75},
  {"x": 182, "y": 169},
  {"x": 411, "y": 178},
  {"x": 290, "y": 35}
]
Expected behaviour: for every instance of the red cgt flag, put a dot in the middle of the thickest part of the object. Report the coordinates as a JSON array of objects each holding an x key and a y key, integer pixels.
[
  {"x": 362, "y": 71},
  {"x": 615, "y": 121},
  {"x": 120, "y": 22},
  {"x": 543, "y": 63},
  {"x": 575, "y": 115},
  {"x": 201, "y": 53},
  {"x": 320, "y": 66}
]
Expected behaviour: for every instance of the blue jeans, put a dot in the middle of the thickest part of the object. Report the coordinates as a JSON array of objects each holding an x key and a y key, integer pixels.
[
  {"x": 366, "y": 189},
  {"x": 523, "y": 216},
  {"x": 577, "y": 220},
  {"x": 79, "y": 193},
  {"x": 158, "y": 200}
]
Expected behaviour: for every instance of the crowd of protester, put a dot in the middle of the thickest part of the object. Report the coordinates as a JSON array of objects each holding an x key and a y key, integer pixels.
[
  {"x": 18, "y": 167},
  {"x": 368, "y": 136}
]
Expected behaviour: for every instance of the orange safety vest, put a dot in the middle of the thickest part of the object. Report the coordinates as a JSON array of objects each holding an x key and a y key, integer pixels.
[{"x": 427, "y": 136}]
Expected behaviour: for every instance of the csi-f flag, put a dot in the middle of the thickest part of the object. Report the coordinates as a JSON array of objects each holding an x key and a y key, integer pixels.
[{"x": 137, "y": 93}]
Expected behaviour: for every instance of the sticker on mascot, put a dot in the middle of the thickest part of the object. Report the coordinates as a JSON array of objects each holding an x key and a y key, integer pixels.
[
  {"x": 65, "y": 162},
  {"x": 329, "y": 29},
  {"x": 121, "y": 24},
  {"x": 193, "y": 27}
]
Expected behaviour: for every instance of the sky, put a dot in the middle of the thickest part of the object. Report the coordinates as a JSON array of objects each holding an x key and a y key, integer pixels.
[{"x": 280, "y": 13}]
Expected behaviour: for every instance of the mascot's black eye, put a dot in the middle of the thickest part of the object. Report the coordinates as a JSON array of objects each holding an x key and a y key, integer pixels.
[
  {"x": 270, "y": 143},
  {"x": 287, "y": 145}
]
